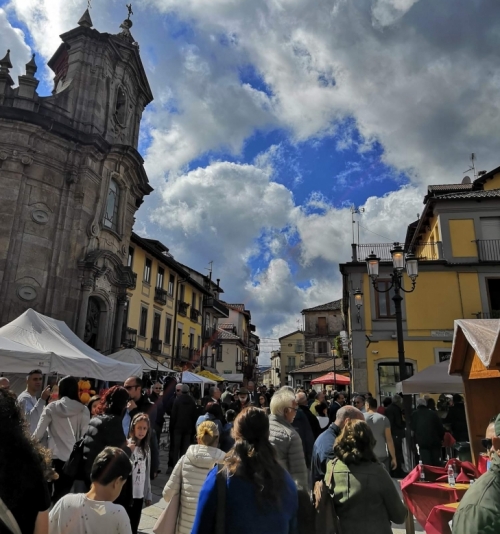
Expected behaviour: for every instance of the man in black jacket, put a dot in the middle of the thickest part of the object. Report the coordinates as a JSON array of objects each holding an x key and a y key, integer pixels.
[
  {"x": 337, "y": 403},
  {"x": 429, "y": 433},
  {"x": 301, "y": 399},
  {"x": 394, "y": 413},
  {"x": 457, "y": 419},
  {"x": 182, "y": 423},
  {"x": 140, "y": 403}
]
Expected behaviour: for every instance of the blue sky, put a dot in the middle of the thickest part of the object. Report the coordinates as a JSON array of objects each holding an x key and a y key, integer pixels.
[{"x": 273, "y": 117}]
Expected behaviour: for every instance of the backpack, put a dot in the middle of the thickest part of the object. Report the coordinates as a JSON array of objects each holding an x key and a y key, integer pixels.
[{"x": 327, "y": 520}]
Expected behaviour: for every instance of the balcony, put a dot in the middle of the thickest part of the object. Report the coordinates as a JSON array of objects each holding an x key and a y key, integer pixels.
[
  {"x": 290, "y": 368},
  {"x": 182, "y": 308},
  {"x": 184, "y": 354},
  {"x": 161, "y": 295},
  {"x": 423, "y": 251},
  {"x": 488, "y": 249},
  {"x": 210, "y": 333},
  {"x": 323, "y": 331},
  {"x": 156, "y": 346},
  {"x": 194, "y": 315},
  {"x": 216, "y": 308}
]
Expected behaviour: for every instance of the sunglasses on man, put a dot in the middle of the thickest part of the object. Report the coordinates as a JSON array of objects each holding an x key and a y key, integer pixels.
[{"x": 487, "y": 443}]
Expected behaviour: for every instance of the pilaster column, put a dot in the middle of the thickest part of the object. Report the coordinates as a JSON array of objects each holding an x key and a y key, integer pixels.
[
  {"x": 120, "y": 310},
  {"x": 87, "y": 286}
]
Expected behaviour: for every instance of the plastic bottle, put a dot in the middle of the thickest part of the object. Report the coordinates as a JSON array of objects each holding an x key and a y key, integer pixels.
[
  {"x": 422, "y": 471},
  {"x": 451, "y": 475}
]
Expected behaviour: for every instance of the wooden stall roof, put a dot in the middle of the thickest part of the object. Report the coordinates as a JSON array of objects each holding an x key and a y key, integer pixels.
[{"x": 479, "y": 336}]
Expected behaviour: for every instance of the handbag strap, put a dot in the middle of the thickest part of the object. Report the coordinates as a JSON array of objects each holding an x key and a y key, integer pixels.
[
  {"x": 8, "y": 519},
  {"x": 220, "y": 514}
]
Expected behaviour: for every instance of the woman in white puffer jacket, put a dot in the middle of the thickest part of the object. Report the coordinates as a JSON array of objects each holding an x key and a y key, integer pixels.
[{"x": 190, "y": 473}]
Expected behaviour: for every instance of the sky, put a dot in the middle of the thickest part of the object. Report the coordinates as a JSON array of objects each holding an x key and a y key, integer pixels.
[{"x": 272, "y": 118}]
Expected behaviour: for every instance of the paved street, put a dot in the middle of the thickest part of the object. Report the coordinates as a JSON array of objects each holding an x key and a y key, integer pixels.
[{"x": 150, "y": 514}]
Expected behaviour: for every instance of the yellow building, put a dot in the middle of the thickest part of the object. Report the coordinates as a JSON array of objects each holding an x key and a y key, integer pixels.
[
  {"x": 292, "y": 354},
  {"x": 457, "y": 242},
  {"x": 163, "y": 315}
]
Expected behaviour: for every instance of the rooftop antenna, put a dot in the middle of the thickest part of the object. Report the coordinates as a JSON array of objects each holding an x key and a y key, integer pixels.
[
  {"x": 210, "y": 269},
  {"x": 472, "y": 165},
  {"x": 353, "y": 211},
  {"x": 130, "y": 12}
]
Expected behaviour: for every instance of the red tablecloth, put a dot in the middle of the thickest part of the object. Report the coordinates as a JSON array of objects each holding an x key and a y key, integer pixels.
[
  {"x": 422, "y": 497},
  {"x": 440, "y": 517},
  {"x": 482, "y": 464}
]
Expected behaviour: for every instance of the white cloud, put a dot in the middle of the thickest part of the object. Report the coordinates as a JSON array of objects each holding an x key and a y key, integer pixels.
[{"x": 13, "y": 39}]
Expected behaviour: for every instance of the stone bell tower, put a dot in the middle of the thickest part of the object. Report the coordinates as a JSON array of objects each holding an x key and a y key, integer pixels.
[{"x": 71, "y": 180}]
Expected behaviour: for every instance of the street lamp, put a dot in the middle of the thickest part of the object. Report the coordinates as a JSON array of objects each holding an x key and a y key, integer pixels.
[
  {"x": 214, "y": 352},
  {"x": 334, "y": 355},
  {"x": 399, "y": 262},
  {"x": 358, "y": 301}
]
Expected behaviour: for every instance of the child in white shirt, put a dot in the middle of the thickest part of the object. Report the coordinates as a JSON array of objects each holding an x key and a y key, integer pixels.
[
  {"x": 139, "y": 435},
  {"x": 94, "y": 512}
]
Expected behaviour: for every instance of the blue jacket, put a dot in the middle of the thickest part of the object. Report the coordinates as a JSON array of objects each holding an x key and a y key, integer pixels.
[
  {"x": 243, "y": 514},
  {"x": 323, "y": 451}
]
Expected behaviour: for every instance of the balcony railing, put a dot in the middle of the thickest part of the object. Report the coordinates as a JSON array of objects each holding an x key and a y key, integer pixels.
[
  {"x": 161, "y": 295},
  {"x": 209, "y": 333},
  {"x": 216, "y": 307},
  {"x": 194, "y": 315},
  {"x": 488, "y": 249},
  {"x": 183, "y": 308},
  {"x": 156, "y": 346},
  {"x": 323, "y": 331},
  {"x": 423, "y": 251},
  {"x": 494, "y": 314},
  {"x": 184, "y": 354}
]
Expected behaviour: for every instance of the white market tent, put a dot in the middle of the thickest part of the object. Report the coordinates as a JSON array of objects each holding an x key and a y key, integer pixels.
[
  {"x": 69, "y": 354},
  {"x": 433, "y": 379},
  {"x": 134, "y": 356},
  {"x": 17, "y": 358},
  {"x": 192, "y": 378}
]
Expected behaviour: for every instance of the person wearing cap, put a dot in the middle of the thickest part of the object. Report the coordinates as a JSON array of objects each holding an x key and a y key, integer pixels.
[
  {"x": 479, "y": 509},
  {"x": 242, "y": 400},
  {"x": 429, "y": 433}
]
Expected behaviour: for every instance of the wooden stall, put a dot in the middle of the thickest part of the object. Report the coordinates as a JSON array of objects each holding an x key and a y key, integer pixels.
[{"x": 476, "y": 358}]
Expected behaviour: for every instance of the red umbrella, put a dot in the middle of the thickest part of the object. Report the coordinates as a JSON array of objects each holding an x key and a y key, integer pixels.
[{"x": 332, "y": 378}]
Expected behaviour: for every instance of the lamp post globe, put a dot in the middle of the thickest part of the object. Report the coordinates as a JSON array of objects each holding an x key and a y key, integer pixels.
[
  {"x": 398, "y": 257},
  {"x": 372, "y": 264},
  {"x": 411, "y": 266}
]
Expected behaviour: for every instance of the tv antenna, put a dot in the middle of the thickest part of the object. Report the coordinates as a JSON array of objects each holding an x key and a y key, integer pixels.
[
  {"x": 355, "y": 210},
  {"x": 472, "y": 165},
  {"x": 210, "y": 269}
]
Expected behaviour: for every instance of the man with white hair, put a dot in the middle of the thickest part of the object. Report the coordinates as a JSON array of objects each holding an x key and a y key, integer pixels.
[
  {"x": 479, "y": 510},
  {"x": 284, "y": 438},
  {"x": 4, "y": 382},
  {"x": 323, "y": 447},
  {"x": 429, "y": 433}
]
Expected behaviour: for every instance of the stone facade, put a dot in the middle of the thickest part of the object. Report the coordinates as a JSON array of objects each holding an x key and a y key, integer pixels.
[
  {"x": 322, "y": 324},
  {"x": 71, "y": 180}
]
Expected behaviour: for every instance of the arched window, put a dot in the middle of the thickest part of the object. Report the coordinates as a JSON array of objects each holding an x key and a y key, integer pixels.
[
  {"x": 121, "y": 106},
  {"x": 112, "y": 202}
]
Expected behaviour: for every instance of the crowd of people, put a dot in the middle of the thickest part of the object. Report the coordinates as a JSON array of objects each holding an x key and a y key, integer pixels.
[{"x": 270, "y": 450}]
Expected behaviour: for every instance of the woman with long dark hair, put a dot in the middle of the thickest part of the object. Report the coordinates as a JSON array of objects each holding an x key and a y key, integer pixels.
[
  {"x": 66, "y": 421},
  {"x": 260, "y": 495},
  {"x": 24, "y": 467},
  {"x": 366, "y": 499}
]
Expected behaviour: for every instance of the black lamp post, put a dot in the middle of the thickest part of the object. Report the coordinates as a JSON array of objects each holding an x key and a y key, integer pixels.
[
  {"x": 214, "y": 352},
  {"x": 399, "y": 263}
]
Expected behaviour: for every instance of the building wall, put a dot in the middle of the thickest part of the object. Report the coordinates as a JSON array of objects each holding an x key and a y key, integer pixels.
[
  {"x": 494, "y": 183},
  {"x": 334, "y": 323},
  {"x": 292, "y": 349},
  {"x": 143, "y": 297},
  {"x": 463, "y": 234},
  {"x": 230, "y": 351},
  {"x": 276, "y": 368}
]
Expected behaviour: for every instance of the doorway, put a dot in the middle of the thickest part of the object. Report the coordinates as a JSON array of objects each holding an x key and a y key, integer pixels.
[
  {"x": 388, "y": 377},
  {"x": 92, "y": 322}
]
